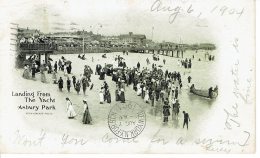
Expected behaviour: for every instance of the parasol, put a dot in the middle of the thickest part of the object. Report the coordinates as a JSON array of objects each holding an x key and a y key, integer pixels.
[
  {"x": 109, "y": 65},
  {"x": 68, "y": 62}
]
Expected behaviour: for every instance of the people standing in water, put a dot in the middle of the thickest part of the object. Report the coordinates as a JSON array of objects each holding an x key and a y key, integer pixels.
[
  {"x": 86, "y": 116},
  {"x": 70, "y": 110},
  {"x": 186, "y": 119}
]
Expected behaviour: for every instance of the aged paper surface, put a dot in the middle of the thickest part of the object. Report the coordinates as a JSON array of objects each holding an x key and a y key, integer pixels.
[{"x": 127, "y": 76}]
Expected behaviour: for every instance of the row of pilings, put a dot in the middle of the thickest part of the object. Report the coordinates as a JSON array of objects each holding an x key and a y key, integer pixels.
[{"x": 165, "y": 52}]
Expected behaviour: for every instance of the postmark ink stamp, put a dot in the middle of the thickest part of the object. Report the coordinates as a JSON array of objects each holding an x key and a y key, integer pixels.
[{"x": 127, "y": 120}]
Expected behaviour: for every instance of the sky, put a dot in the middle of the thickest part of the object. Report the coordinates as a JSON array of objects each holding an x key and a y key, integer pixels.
[{"x": 114, "y": 17}]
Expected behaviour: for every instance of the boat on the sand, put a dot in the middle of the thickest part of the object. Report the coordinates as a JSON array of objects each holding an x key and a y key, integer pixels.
[{"x": 204, "y": 93}]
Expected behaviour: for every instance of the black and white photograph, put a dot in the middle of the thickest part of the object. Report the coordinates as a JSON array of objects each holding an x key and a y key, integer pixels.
[{"x": 127, "y": 76}]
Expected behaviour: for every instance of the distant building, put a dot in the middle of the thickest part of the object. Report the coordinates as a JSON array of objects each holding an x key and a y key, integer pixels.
[
  {"x": 63, "y": 35},
  {"x": 206, "y": 46},
  {"x": 133, "y": 39},
  {"x": 111, "y": 40},
  {"x": 168, "y": 45}
]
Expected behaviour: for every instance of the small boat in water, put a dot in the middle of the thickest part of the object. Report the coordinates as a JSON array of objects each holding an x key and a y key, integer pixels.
[{"x": 204, "y": 93}]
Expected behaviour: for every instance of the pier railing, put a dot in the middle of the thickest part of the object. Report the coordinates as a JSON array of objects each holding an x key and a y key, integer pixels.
[{"x": 37, "y": 46}]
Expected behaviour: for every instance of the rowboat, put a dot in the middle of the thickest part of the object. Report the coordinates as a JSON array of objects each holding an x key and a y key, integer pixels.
[{"x": 203, "y": 93}]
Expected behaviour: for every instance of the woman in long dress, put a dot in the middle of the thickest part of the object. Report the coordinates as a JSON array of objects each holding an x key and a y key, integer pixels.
[
  {"x": 77, "y": 88},
  {"x": 86, "y": 116},
  {"x": 65, "y": 70},
  {"x": 60, "y": 83},
  {"x": 152, "y": 98},
  {"x": 54, "y": 77},
  {"x": 146, "y": 98},
  {"x": 108, "y": 97},
  {"x": 122, "y": 95},
  {"x": 43, "y": 77},
  {"x": 139, "y": 89},
  {"x": 166, "y": 112},
  {"x": 101, "y": 96},
  {"x": 70, "y": 110},
  {"x": 176, "y": 109},
  {"x": 117, "y": 94},
  {"x": 26, "y": 73},
  {"x": 84, "y": 85}
]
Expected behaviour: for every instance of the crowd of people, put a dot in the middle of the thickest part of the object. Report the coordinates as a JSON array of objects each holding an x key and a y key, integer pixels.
[
  {"x": 187, "y": 63},
  {"x": 65, "y": 66},
  {"x": 154, "y": 86},
  {"x": 39, "y": 39}
]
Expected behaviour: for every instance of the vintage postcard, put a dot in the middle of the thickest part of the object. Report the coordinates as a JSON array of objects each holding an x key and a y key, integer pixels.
[{"x": 127, "y": 76}]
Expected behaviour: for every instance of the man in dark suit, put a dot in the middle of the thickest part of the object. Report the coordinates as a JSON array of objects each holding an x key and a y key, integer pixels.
[{"x": 186, "y": 119}]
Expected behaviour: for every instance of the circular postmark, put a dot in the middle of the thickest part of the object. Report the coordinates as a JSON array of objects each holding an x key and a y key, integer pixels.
[{"x": 126, "y": 120}]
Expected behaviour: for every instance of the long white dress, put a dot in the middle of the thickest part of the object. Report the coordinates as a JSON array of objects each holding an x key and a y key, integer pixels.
[
  {"x": 173, "y": 101},
  {"x": 101, "y": 97},
  {"x": 139, "y": 89},
  {"x": 65, "y": 71},
  {"x": 70, "y": 110},
  {"x": 26, "y": 73},
  {"x": 146, "y": 98},
  {"x": 43, "y": 77}
]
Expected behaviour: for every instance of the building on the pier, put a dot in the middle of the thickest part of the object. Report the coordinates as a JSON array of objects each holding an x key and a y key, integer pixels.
[
  {"x": 132, "y": 39},
  {"x": 110, "y": 41},
  {"x": 206, "y": 46},
  {"x": 168, "y": 45}
]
